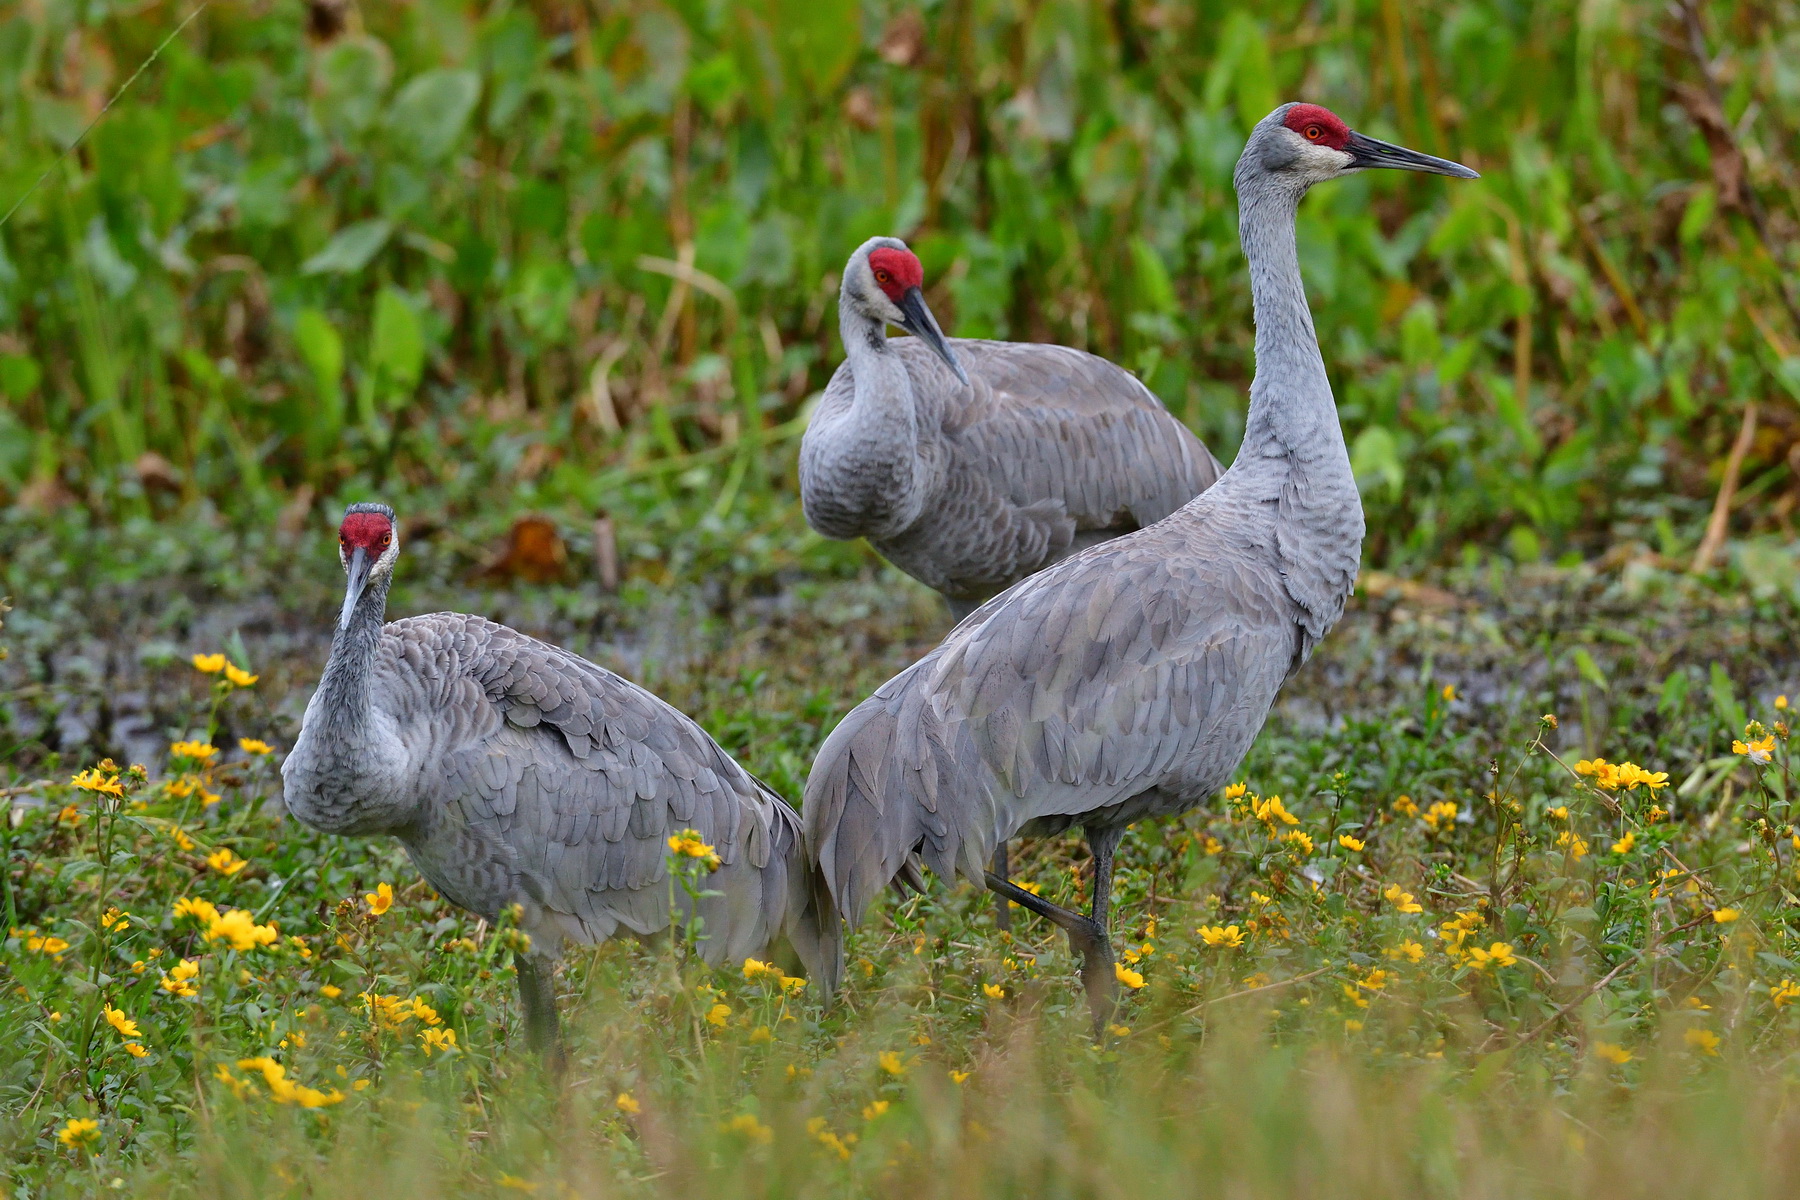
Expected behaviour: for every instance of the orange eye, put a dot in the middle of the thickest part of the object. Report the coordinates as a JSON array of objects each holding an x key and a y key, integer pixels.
[
  {"x": 386, "y": 538},
  {"x": 881, "y": 277},
  {"x": 1314, "y": 133}
]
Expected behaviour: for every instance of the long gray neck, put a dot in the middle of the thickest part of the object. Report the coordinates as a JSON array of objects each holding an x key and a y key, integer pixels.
[
  {"x": 1292, "y": 413},
  {"x": 344, "y": 701},
  {"x": 861, "y": 471},
  {"x": 884, "y": 413}
]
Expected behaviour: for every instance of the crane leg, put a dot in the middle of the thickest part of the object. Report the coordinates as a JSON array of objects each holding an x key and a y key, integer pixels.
[
  {"x": 1002, "y": 906},
  {"x": 537, "y": 996},
  {"x": 1087, "y": 934}
]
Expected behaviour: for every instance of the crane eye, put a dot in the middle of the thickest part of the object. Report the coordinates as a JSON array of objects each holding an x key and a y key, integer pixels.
[
  {"x": 1314, "y": 133},
  {"x": 386, "y": 538},
  {"x": 881, "y": 277}
]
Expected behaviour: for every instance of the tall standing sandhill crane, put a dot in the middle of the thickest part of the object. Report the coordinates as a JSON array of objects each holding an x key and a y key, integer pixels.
[
  {"x": 1129, "y": 680},
  {"x": 972, "y": 464},
  {"x": 515, "y": 772}
]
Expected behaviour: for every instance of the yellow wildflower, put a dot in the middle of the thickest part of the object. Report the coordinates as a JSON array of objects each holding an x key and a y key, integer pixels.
[
  {"x": 45, "y": 943},
  {"x": 1229, "y": 936},
  {"x": 437, "y": 1039},
  {"x": 1624, "y": 844},
  {"x": 1405, "y": 807},
  {"x": 79, "y": 1132},
  {"x": 225, "y": 862},
  {"x": 1349, "y": 843},
  {"x": 1441, "y": 815},
  {"x": 689, "y": 844},
  {"x": 379, "y": 900},
  {"x": 1272, "y": 812},
  {"x": 178, "y": 980},
  {"x": 1408, "y": 949},
  {"x": 1119, "y": 1030},
  {"x": 1560, "y": 812},
  {"x": 1212, "y": 845},
  {"x": 1575, "y": 844},
  {"x": 1724, "y": 916},
  {"x": 1351, "y": 1026},
  {"x": 1781, "y": 702},
  {"x": 240, "y": 929},
  {"x": 1500, "y": 954},
  {"x": 193, "y": 751},
  {"x": 424, "y": 1013},
  {"x": 718, "y": 1014},
  {"x": 283, "y": 1090},
  {"x": 750, "y": 1127},
  {"x": 92, "y": 780},
  {"x": 892, "y": 1063},
  {"x": 993, "y": 991},
  {"x": 180, "y": 837},
  {"x": 755, "y": 969},
  {"x": 1235, "y": 790},
  {"x": 1299, "y": 839},
  {"x": 330, "y": 991},
  {"x": 68, "y": 815},
  {"x": 113, "y": 918},
  {"x": 255, "y": 746},
  {"x": 959, "y": 1076},
  {"x": 1759, "y": 751},
  {"x": 1448, "y": 692},
  {"x": 1703, "y": 1040},
  {"x": 1131, "y": 979},
  {"x": 1612, "y": 1053},
  {"x": 509, "y": 1181},
  {"x": 135, "y": 1050},
  {"x": 1784, "y": 993},
  {"x": 1375, "y": 980},
  {"x": 761, "y": 1035},
  {"x": 875, "y": 1109},
  {"x": 127, "y": 1027},
  {"x": 1401, "y": 900},
  {"x": 239, "y": 678},
  {"x": 208, "y": 664},
  {"x": 626, "y": 1103}
]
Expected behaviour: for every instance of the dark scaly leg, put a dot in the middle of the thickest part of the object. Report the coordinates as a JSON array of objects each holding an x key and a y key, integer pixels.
[
  {"x": 1087, "y": 934},
  {"x": 537, "y": 996},
  {"x": 1002, "y": 906}
]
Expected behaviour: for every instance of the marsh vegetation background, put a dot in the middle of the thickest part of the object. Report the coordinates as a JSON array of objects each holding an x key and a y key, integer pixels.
[{"x": 558, "y": 279}]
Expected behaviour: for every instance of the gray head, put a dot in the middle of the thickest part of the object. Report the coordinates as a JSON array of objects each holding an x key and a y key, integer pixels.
[
  {"x": 367, "y": 547},
  {"x": 882, "y": 283},
  {"x": 1299, "y": 145}
]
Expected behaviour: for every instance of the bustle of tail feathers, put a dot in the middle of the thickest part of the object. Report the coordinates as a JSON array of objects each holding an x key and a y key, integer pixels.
[
  {"x": 810, "y": 921},
  {"x": 886, "y": 795}
]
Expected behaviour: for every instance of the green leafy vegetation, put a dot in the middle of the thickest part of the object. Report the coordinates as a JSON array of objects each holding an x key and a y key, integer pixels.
[{"x": 516, "y": 250}]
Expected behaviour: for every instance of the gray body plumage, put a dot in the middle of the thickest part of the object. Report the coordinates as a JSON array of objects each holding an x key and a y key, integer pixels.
[
  {"x": 1128, "y": 680},
  {"x": 516, "y": 772},
  {"x": 970, "y": 487}
]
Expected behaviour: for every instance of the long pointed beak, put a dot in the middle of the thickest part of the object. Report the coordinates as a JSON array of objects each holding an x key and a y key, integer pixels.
[
  {"x": 1369, "y": 152},
  {"x": 921, "y": 324},
  {"x": 358, "y": 571}
]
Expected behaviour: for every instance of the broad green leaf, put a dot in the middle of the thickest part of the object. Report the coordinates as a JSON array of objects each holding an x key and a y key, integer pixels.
[
  {"x": 1590, "y": 670},
  {"x": 396, "y": 344},
  {"x": 350, "y": 248},
  {"x": 431, "y": 111},
  {"x": 1375, "y": 458},
  {"x": 322, "y": 349},
  {"x": 1154, "y": 287},
  {"x": 349, "y": 82},
  {"x": 19, "y": 375}
]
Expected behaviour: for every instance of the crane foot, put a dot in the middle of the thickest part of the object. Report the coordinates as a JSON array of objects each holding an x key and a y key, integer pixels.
[{"x": 1087, "y": 937}]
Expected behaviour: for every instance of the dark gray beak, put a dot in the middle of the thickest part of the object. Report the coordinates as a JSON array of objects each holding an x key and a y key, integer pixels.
[
  {"x": 1368, "y": 152},
  {"x": 919, "y": 322},
  {"x": 358, "y": 570}
]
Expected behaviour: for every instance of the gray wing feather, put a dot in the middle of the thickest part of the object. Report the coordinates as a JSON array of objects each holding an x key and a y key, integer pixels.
[{"x": 545, "y": 774}]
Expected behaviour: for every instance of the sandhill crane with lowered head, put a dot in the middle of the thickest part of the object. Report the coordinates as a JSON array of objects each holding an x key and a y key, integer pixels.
[
  {"x": 515, "y": 772},
  {"x": 1129, "y": 680},
  {"x": 972, "y": 464}
]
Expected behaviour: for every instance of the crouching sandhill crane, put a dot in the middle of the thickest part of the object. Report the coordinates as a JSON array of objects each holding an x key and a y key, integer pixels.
[
  {"x": 1129, "y": 680},
  {"x": 515, "y": 772},
  {"x": 971, "y": 464}
]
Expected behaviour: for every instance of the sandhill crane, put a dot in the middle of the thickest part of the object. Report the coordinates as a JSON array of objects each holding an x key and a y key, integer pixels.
[
  {"x": 971, "y": 464},
  {"x": 1129, "y": 680},
  {"x": 515, "y": 772}
]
